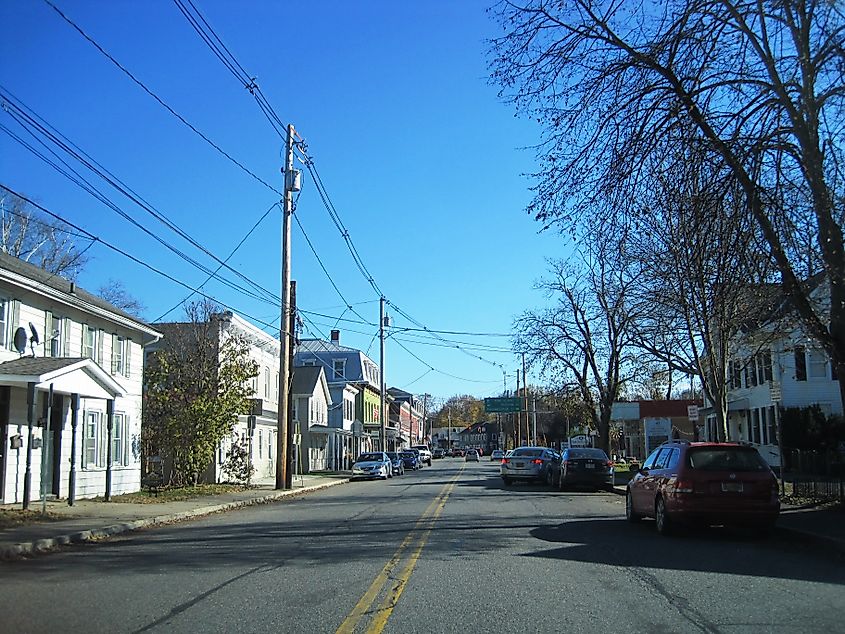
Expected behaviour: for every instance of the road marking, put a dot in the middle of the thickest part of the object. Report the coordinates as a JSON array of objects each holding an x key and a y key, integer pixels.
[
  {"x": 362, "y": 608},
  {"x": 384, "y": 611}
]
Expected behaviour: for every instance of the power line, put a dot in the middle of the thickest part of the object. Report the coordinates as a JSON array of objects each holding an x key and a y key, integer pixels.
[
  {"x": 31, "y": 119},
  {"x": 131, "y": 257},
  {"x": 160, "y": 100}
]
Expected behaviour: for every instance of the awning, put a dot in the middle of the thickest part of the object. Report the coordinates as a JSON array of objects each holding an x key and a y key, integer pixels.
[
  {"x": 325, "y": 429},
  {"x": 67, "y": 376},
  {"x": 738, "y": 405}
]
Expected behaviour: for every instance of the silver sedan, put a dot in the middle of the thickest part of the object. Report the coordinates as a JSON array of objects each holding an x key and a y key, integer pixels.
[{"x": 536, "y": 464}]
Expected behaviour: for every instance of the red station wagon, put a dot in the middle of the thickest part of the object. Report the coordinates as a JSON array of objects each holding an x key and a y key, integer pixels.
[{"x": 704, "y": 483}]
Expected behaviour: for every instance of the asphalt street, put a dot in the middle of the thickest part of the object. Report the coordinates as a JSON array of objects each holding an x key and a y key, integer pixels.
[{"x": 445, "y": 549}]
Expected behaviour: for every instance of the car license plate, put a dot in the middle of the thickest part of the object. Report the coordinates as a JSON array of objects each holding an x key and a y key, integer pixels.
[
  {"x": 519, "y": 465},
  {"x": 732, "y": 487},
  {"x": 590, "y": 465}
]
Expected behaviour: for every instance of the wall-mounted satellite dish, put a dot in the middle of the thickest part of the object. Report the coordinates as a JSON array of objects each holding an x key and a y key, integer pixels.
[{"x": 20, "y": 340}]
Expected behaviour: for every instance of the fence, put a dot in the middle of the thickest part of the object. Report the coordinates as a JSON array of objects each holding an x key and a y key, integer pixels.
[{"x": 815, "y": 474}]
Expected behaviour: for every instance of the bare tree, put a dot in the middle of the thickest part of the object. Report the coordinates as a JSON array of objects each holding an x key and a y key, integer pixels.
[
  {"x": 116, "y": 294},
  {"x": 762, "y": 81},
  {"x": 585, "y": 337},
  {"x": 28, "y": 236}
]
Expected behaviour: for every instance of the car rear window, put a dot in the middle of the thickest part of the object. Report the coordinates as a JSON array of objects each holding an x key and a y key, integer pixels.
[
  {"x": 407, "y": 454},
  {"x": 726, "y": 459},
  {"x": 370, "y": 457},
  {"x": 596, "y": 454},
  {"x": 533, "y": 453}
]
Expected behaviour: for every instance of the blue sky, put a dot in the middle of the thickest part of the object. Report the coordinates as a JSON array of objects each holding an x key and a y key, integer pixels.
[{"x": 423, "y": 164}]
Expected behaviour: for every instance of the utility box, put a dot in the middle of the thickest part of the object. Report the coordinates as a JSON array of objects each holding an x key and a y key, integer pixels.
[{"x": 15, "y": 442}]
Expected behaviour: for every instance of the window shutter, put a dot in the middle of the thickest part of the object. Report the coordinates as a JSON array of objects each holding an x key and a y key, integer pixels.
[
  {"x": 101, "y": 335},
  {"x": 127, "y": 357},
  {"x": 48, "y": 334},
  {"x": 65, "y": 336},
  {"x": 84, "y": 339},
  {"x": 115, "y": 342},
  {"x": 14, "y": 318}
]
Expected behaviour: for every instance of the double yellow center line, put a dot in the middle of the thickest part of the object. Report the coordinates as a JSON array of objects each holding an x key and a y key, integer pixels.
[{"x": 388, "y": 584}]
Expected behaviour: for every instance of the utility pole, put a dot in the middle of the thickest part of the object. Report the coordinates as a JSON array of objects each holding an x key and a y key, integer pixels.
[
  {"x": 525, "y": 397},
  {"x": 382, "y": 413},
  {"x": 291, "y": 181},
  {"x": 518, "y": 414},
  {"x": 290, "y": 441},
  {"x": 534, "y": 420}
]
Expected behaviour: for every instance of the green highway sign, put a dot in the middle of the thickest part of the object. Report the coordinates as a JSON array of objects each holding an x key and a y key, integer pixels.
[{"x": 502, "y": 405}]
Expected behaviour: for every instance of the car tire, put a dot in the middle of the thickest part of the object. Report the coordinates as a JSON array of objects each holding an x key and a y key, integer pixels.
[
  {"x": 561, "y": 486},
  {"x": 549, "y": 478},
  {"x": 630, "y": 515},
  {"x": 661, "y": 517},
  {"x": 507, "y": 481}
]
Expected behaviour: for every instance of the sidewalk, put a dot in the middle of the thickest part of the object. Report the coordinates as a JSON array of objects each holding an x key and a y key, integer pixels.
[{"x": 89, "y": 520}]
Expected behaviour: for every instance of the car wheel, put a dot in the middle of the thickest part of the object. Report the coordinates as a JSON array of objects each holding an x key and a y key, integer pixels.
[
  {"x": 549, "y": 477},
  {"x": 661, "y": 517},
  {"x": 629, "y": 509},
  {"x": 561, "y": 486},
  {"x": 507, "y": 481}
]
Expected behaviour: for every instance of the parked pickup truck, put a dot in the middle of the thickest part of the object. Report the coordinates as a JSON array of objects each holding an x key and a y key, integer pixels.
[{"x": 425, "y": 453}]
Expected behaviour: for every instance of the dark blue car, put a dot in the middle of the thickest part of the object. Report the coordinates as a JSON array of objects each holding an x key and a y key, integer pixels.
[{"x": 410, "y": 460}]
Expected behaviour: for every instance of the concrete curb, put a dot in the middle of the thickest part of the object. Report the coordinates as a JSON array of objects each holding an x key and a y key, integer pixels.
[{"x": 24, "y": 549}]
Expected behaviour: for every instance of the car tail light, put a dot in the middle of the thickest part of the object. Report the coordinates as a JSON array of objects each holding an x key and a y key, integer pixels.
[
  {"x": 683, "y": 486},
  {"x": 505, "y": 460},
  {"x": 609, "y": 464},
  {"x": 536, "y": 461}
]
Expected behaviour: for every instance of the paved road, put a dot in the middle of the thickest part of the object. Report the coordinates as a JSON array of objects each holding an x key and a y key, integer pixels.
[{"x": 447, "y": 549}]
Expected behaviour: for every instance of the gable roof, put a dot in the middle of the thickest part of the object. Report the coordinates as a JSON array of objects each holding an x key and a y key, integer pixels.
[
  {"x": 305, "y": 378},
  {"x": 16, "y": 271}
]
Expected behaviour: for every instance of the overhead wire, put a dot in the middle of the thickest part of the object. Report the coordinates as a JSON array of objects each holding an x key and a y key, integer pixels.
[
  {"x": 74, "y": 176},
  {"x": 133, "y": 258}
]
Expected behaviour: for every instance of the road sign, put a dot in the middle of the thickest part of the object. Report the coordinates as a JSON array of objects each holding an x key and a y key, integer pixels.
[
  {"x": 502, "y": 405},
  {"x": 692, "y": 412}
]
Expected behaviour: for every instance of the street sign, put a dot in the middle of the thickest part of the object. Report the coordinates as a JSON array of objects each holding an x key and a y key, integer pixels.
[
  {"x": 502, "y": 405},
  {"x": 775, "y": 392},
  {"x": 692, "y": 412}
]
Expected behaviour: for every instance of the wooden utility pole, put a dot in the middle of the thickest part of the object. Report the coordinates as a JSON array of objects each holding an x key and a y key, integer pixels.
[
  {"x": 382, "y": 403},
  {"x": 285, "y": 336},
  {"x": 290, "y": 441}
]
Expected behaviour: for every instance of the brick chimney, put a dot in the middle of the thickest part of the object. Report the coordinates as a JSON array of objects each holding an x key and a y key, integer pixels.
[{"x": 336, "y": 337}]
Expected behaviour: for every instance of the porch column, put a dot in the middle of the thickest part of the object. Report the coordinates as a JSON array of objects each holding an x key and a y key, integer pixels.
[
  {"x": 30, "y": 414},
  {"x": 109, "y": 426},
  {"x": 74, "y": 421}
]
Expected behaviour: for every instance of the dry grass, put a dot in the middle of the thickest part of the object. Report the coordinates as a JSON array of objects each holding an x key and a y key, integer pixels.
[
  {"x": 176, "y": 494},
  {"x": 10, "y": 518}
]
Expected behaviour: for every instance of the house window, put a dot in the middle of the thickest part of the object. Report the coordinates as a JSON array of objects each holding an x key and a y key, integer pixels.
[
  {"x": 90, "y": 440},
  {"x": 764, "y": 366},
  {"x": 735, "y": 378},
  {"x": 267, "y": 383},
  {"x": 4, "y": 321},
  {"x": 833, "y": 375},
  {"x": 755, "y": 425},
  {"x": 89, "y": 342},
  {"x": 800, "y": 363},
  {"x": 339, "y": 367},
  {"x": 260, "y": 443},
  {"x": 118, "y": 355},
  {"x": 118, "y": 440},
  {"x": 818, "y": 365},
  {"x": 54, "y": 335},
  {"x": 276, "y": 388}
]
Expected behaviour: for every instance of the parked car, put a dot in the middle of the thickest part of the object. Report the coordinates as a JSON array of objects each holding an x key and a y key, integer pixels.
[
  {"x": 530, "y": 463},
  {"x": 396, "y": 462},
  {"x": 472, "y": 456},
  {"x": 425, "y": 453},
  {"x": 416, "y": 453},
  {"x": 374, "y": 464},
  {"x": 410, "y": 460},
  {"x": 585, "y": 466},
  {"x": 705, "y": 483},
  {"x": 497, "y": 454},
  {"x": 438, "y": 453},
  {"x": 457, "y": 452}
]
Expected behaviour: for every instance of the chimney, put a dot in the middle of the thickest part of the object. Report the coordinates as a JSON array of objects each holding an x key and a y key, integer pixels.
[{"x": 336, "y": 337}]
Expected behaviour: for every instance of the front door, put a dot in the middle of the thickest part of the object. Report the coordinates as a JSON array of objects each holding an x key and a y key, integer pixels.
[
  {"x": 53, "y": 441},
  {"x": 4, "y": 436}
]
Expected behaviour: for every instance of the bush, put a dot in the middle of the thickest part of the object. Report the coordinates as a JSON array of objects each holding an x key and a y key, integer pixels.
[{"x": 237, "y": 465}]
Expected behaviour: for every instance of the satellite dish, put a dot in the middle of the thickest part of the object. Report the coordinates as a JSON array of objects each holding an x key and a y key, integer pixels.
[
  {"x": 20, "y": 340},
  {"x": 34, "y": 338}
]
